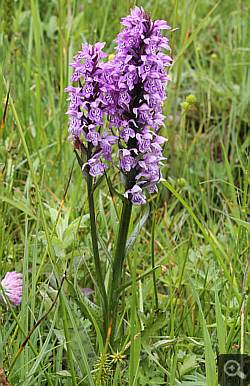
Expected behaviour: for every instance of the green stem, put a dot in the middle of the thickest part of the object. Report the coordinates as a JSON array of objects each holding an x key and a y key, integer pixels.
[
  {"x": 118, "y": 262},
  {"x": 98, "y": 267}
]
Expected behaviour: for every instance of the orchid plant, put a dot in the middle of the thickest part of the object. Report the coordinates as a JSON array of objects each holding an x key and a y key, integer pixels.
[{"x": 115, "y": 116}]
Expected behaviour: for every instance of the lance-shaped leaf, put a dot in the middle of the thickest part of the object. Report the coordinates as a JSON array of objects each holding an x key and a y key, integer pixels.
[
  {"x": 105, "y": 249},
  {"x": 89, "y": 309},
  {"x": 84, "y": 341},
  {"x": 154, "y": 323},
  {"x": 82, "y": 349},
  {"x": 132, "y": 237}
]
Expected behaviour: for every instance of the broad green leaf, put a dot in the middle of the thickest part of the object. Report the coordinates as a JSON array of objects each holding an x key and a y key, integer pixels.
[
  {"x": 95, "y": 310},
  {"x": 155, "y": 322},
  {"x": 132, "y": 237},
  {"x": 153, "y": 358},
  {"x": 166, "y": 342},
  {"x": 63, "y": 374},
  {"x": 189, "y": 363},
  {"x": 81, "y": 350},
  {"x": 105, "y": 249},
  {"x": 195, "y": 380},
  {"x": 90, "y": 309},
  {"x": 57, "y": 244},
  {"x": 241, "y": 222},
  {"x": 84, "y": 342}
]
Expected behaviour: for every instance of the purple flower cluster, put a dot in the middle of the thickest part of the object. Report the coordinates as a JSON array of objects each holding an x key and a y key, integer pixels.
[
  {"x": 129, "y": 91},
  {"x": 87, "y": 110},
  {"x": 12, "y": 287}
]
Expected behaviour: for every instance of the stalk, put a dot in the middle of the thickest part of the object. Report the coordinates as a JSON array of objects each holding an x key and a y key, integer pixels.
[
  {"x": 118, "y": 263},
  {"x": 98, "y": 268}
]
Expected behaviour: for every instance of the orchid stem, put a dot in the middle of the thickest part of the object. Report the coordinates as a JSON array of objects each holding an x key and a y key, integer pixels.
[
  {"x": 98, "y": 268},
  {"x": 118, "y": 263}
]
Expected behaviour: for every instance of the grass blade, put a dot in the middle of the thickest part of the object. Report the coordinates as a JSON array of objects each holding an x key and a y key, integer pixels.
[{"x": 209, "y": 355}]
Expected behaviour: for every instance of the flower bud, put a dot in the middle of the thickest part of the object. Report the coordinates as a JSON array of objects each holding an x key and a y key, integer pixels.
[
  {"x": 185, "y": 106},
  {"x": 191, "y": 99},
  {"x": 181, "y": 183}
]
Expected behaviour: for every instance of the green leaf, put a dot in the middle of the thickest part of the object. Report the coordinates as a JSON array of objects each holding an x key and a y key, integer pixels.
[
  {"x": 189, "y": 363},
  {"x": 166, "y": 342},
  {"x": 90, "y": 309},
  {"x": 63, "y": 374},
  {"x": 219, "y": 321},
  {"x": 95, "y": 310},
  {"x": 80, "y": 350},
  {"x": 241, "y": 222},
  {"x": 42, "y": 352},
  {"x": 19, "y": 205},
  {"x": 98, "y": 183},
  {"x": 105, "y": 249},
  {"x": 153, "y": 358},
  {"x": 114, "y": 191},
  {"x": 209, "y": 355},
  {"x": 154, "y": 323},
  {"x": 195, "y": 380},
  {"x": 231, "y": 181},
  {"x": 57, "y": 244},
  {"x": 84, "y": 342},
  {"x": 129, "y": 283},
  {"x": 132, "y": 237}
]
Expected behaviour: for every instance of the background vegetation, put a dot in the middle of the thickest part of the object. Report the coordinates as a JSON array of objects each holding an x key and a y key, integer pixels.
[{"x": 198, "y": 225}]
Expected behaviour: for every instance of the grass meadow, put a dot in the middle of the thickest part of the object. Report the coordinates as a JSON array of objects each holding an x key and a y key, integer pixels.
[{"x": 195, "y": 304}]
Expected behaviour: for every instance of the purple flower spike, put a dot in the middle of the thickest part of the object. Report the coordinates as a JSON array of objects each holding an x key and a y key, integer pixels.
[
  {"x": 137, "y": 76},
  {"x": 12, "y": 287},
  {"x": 88, "y": 107},
  {"x": 85, "y": 100},
  {"x": 119, "y": 103}
]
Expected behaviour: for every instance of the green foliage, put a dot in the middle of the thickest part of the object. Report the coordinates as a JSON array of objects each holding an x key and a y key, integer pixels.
[{"x": 203, "y": 284}]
